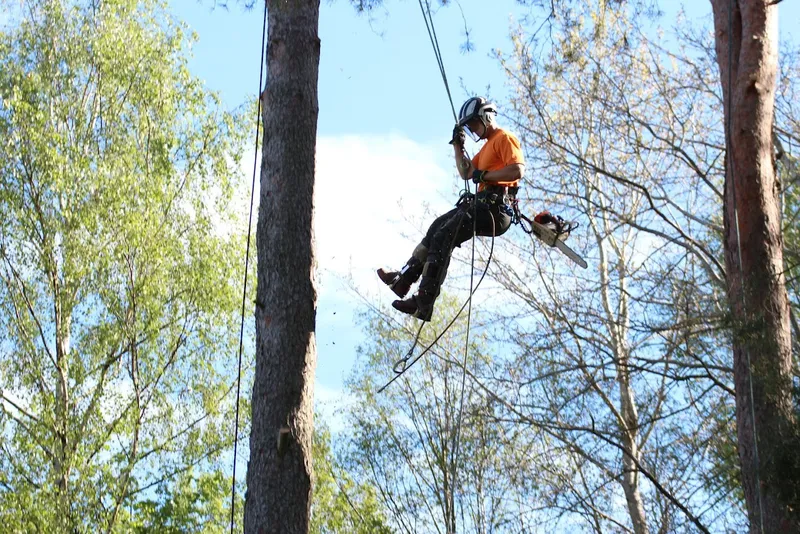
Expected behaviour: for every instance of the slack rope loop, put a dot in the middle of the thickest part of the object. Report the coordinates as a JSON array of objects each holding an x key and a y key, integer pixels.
[
  {"x": 246, "y": 268},
  {"x": 401, "y": 365},
  {"x": 407, "y": 362}
]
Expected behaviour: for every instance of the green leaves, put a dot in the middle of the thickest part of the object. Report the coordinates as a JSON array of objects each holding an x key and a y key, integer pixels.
[
  {"x": 403, "y": 439},
  {"x": 340, "y": 503},
  {"x": 120, "y": 260},
  {"x": 197, "y": 502}
]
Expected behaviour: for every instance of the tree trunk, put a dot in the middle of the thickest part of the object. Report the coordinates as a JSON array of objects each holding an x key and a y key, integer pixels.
[
  {"x": 618, "y": 323},
  {"x": 630, "y": 435},
  {"x": 279, "y": 473},
  {"x": 61, "y": 459},
  {"x": 756, "y": 286}
]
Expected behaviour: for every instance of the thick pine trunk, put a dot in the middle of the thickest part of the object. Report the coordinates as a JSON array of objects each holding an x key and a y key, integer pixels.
[
  {"x": 279, "y": 472},
  {"x": 756, "y": 288}
]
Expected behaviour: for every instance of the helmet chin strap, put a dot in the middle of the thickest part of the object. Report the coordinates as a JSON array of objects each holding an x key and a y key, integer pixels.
[
  {"x": 475, "y": 135},
  {"x": 485, "y": 130}
]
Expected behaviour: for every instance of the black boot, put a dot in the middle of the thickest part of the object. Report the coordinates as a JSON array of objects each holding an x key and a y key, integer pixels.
[
  {"x": 421, "y": 304},
  {"x": 425, "y": 297},
  {"x": 401, "y": 281},
  {"x": 408, "y": 306},
  {"x": 394, "y": 280}
]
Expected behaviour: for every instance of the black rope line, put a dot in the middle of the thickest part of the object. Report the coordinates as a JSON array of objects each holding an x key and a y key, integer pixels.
[
  {"x": 407, "y": 362},
  {"x": 436, "y": 50},
  {"x": 403, "y": 365},
  {"x": 457, "y": 436},
  {"x": 246, "y": 269}
]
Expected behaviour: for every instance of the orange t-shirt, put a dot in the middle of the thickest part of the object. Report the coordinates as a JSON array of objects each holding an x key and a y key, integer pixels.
[{"x": 502, "y": 149}]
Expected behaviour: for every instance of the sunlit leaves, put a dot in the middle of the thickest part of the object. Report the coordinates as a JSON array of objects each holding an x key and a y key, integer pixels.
[{"x": 120, "y": 258}]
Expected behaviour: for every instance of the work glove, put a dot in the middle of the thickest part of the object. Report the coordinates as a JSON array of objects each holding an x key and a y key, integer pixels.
[
  {"x": 477, "y": 176},
  {"x": 458, "y": 136}
]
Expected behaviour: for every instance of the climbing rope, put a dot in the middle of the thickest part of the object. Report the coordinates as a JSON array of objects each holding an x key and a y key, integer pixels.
[
  {"x": 404, "y": 364},
  {"x": 428, "y": 17},
  {"x": 246, "y": 269},
  {"x": 457, "y": 435},
  {"x": 756, "y": 460}
]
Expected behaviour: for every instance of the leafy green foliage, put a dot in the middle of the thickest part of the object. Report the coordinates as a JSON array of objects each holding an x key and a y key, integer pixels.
[
  {"x": 194, "y": 503},
  {"x": 403, "y": 440},
  {"x": 341, "y": 504},
  {"x": 119, "y": 267}
]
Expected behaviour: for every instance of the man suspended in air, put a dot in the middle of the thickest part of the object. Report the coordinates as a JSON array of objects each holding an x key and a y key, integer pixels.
[{"x": 497, "y": 168}]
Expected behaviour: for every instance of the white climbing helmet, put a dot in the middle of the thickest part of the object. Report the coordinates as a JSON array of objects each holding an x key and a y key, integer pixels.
[{"x": 476, "y": 107}]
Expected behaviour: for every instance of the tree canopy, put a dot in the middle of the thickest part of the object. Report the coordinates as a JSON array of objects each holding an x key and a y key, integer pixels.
[{"x": 119, "y": 262}]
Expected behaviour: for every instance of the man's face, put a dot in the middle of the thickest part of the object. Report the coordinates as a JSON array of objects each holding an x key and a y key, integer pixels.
[{"x": 476, "y": 126}]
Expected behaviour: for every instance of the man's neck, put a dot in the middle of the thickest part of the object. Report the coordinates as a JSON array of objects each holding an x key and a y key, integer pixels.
[{"x": 490, "y": 131}]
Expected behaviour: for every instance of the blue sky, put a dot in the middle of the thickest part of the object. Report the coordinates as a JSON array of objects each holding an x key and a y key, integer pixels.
[
  {"x": 376, "y": 72},
  {"x": 383, "y": 128}
]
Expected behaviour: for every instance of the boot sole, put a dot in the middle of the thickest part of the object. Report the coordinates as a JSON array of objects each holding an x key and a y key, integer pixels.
[
  {"x": 401, "y": 294},
  {"x": 426, "y": 317}
]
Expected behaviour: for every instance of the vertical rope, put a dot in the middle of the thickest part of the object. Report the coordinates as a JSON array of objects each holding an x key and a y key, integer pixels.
[
  {"x": 729, "y": 136},
  {"x": 457, "y": 436},
  {"x": 426, "y": 15},
  {"x": 246, "y": 269}
]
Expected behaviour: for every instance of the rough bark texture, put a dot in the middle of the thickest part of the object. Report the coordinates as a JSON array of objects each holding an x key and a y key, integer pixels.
[
  {"x": 756, "y": 288},
  {"x": 278, "y": 495}
]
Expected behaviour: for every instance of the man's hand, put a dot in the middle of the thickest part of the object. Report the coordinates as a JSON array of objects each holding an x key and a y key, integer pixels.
[
  {"x": 458, "y": 136},
  {"x": 477, "y": 176}
]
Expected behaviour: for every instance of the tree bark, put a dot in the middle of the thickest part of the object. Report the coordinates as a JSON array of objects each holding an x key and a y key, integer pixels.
[
  {"x": 279, "y": 472},
  {"x": 618, "y": 323},
  {"x": 756, "y": 285}
]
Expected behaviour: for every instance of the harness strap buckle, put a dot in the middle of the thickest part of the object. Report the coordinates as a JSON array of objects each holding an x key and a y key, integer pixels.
[{"x": 465, "y": 199}]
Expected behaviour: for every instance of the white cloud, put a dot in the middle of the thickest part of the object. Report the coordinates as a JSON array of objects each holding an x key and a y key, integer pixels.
[
  {"x": 367, "y": 189},
  {"x": 374, "y": 195}
]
